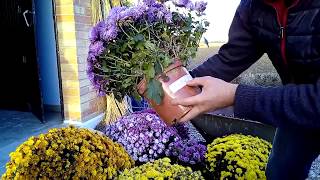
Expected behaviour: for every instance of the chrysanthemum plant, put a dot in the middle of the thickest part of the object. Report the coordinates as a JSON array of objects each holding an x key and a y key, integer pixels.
[{"x": 140, "y": 41}]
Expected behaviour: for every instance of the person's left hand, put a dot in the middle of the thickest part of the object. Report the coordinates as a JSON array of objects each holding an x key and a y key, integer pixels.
[{"x": 215, "y": 94}]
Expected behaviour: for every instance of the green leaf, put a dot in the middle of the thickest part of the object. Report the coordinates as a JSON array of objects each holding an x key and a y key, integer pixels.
[
  {"x": 138, "y": 37},
  {"x": 158, "y": 68},
  {"x": 124, "y": 47},
  {"x": 140, "y": 46},
  {"x": 136, "y": 96},
  {"x": 127, "y": 83},
  {"x": 155, "y": 91},
  {"x": 165, "y": 36},
  {"x": 150, "y": 72},
  {"x": 149, "y": 45},
  {"x": 167, "y": 61}
]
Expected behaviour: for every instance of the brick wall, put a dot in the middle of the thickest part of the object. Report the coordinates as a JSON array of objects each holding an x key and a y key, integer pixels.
[{"x": 74, "y": 23}]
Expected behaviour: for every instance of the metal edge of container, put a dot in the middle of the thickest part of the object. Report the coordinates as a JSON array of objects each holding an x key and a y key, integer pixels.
[{"x": 212, "y": 126}]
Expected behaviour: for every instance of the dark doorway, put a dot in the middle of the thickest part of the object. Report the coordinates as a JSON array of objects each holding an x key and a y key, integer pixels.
[{"x": 19, "y": 71}]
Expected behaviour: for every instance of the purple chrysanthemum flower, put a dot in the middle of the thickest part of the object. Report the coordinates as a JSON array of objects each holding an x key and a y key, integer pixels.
[
  {"x": 159, "y": 12},
  {"x": 109, "y": 33},
  {"x": 168, "y": 17},
  {"x": 149, "y": 2},
  {"x": 181, "y": 3},
  {"x": 95, "y": 31},
  {"x": 182, "y": 130},
  {"x": 134, "y": 12},
  {"x": 188, "y": 151},
  {"x": 111, "y": 21},
  {"x": 200, "y": 6},
  {"x": 97, "y": 81},
  {"x": 94, "y": 34},
  {"x": 138, "y": 11},
  {"x": 144, "y": 135},
  {"x": 116, "y": 10},
  {"x": 190, "y": 6},
  {"x": 96, "y": 48},
  {"x": 91, "y": 58}
]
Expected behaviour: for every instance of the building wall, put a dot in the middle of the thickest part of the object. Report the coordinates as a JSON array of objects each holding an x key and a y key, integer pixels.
[
  {"x": 73, "y": 23},
  {"x": 91, "y": 105}
]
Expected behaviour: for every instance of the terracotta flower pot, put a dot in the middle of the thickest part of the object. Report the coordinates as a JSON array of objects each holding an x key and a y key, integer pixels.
[{"x": 174, "y": 86}]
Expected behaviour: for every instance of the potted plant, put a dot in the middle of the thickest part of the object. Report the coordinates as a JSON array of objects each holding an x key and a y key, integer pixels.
[
  {"x": 68, "y": 153},
  {"x": 143, "y": 49}
]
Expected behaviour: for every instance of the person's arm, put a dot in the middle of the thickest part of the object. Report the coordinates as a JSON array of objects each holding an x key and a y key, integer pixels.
[
  {"x": 280, "y": 106},
  {"x": 238, "y": 54},
  {"x": 288, "y": 105}
]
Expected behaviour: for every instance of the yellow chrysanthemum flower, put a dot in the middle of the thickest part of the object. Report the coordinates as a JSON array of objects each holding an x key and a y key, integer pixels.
[
  {"x": 238, "y": 157},
  {"x": 67, "y": 153},
  {"x": 159, "y": 170}
]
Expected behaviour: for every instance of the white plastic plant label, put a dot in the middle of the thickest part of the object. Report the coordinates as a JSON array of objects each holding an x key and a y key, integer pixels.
[{"x": 180, "y": 83}]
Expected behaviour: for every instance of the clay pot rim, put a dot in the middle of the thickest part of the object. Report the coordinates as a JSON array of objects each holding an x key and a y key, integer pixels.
[{"x": 176, "y": 64}]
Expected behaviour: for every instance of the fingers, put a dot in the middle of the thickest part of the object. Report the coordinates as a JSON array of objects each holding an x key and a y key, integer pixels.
[
  {"x": 190, "y": 101},
  {"x": 197, "y": 81},
  {"x": 194, "y": 112}
]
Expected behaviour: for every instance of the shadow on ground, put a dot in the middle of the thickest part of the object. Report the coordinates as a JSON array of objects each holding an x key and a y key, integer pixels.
[{"x": 16, "y": 127}]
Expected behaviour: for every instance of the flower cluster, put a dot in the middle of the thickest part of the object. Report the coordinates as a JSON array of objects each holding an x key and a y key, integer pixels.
[
  {"x": 160, "y": 169},
  {"x": 199, "y": 6},
  {"x": 68, "y": 153},
  {"x": 140, "y": 42},
  {"x": 143, "y": 135},
  {"x": 146, "y": 138},
  {"x": 238, "y": 157},
  {"x": 188, "y": 151}
]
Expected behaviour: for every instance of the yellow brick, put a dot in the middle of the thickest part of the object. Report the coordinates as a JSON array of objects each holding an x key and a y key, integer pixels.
[
  {"x": 69, "y": 51},
  {"x": 65, "y": 18},
  {"x": 67, "y": 42},
  {"x": 70, "y": 75},
  {"x": 65, "y": 10},
  {"x": 71, "y": 92},
  {"x": 66, "y": 26},
  {"x": 69, "y": 84},
  {"x": 63, "y": 2},
  {"x": 72, "y": 108},
  {"x": 66, "y": 35},
  {"x": 68, "y": 67},
  {"x": 69, "y": 55},
  {"x": 75, "y": 116},
  {"x": 68, "y": 59},
  {"x": 71, "y": 99}
]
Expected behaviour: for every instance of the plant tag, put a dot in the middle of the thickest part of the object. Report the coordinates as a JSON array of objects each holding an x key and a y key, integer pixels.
[{"x": 180, "y": 83}]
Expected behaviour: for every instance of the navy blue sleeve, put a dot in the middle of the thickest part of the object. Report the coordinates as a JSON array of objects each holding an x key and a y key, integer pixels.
[
  {"x": 238, "y": 54},
  {"x": 280, "y": 106}
]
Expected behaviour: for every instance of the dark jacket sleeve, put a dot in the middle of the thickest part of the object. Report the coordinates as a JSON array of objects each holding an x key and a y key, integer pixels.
[
  {"x": 280, "y": 106},
  {"x": 238, "y": 54}
]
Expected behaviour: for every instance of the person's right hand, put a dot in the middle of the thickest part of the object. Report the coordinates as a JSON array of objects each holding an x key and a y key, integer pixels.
[{"x": 215, "y": 94}]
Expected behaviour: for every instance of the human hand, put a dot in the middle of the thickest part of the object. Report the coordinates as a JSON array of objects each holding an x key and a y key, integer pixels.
[{"x": 215, "y": 94}]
